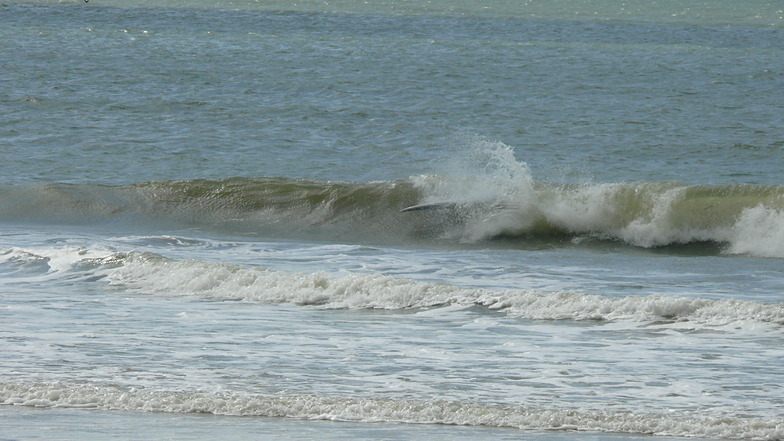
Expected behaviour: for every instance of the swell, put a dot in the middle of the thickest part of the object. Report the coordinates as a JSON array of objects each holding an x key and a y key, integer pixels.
[
  {"x": 272, "y": 206},
  {"x": 738, "y": 219},
  {"x": 56, "y": 394}
]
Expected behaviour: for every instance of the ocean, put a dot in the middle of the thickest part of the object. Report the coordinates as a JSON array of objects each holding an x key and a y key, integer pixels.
[{"x": 204, "y": 234}]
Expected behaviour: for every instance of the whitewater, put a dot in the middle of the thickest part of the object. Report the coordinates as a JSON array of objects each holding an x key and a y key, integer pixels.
[{"x": 207, "y": 232}]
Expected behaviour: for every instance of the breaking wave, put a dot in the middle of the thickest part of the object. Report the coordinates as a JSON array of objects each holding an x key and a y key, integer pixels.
[
  {"x": 152, "y": 274},
  {"x": 58, "y": 394},
  {"x": 489, "y": 199}
]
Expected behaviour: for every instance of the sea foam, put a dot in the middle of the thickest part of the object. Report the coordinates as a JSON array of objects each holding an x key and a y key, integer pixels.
[
  {"x": 153, "y": 274},
  {"x": 371, "y": 410}
]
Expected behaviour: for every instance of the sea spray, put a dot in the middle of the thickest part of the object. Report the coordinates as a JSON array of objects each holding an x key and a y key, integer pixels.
[
  {"x": 487, "y": 178},
  {"x": 759, "y": 231},
  {"x": 500, "y": 198}
]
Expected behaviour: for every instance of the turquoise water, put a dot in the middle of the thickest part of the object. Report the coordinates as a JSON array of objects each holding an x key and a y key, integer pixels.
[{"x": 200, "y": 219}]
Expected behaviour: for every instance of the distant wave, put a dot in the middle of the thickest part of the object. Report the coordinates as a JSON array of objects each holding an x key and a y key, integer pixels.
[
  {"x": 499, "y": 209},
  {"x": 152, "y": 274},
  {"x": 56, "y": 394}
]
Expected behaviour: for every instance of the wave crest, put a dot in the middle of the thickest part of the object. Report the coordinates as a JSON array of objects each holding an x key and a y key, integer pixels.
[
  {"x": 152, "y": 274},
  {"x": 155, "y": 275},
  {"x": 503, "y": 208}
]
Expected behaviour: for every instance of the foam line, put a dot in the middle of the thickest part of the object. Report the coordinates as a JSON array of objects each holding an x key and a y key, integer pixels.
[{"x": 370, "y": 410}]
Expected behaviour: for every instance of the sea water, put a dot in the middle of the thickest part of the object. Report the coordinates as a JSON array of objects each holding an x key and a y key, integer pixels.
[{"x": 201, "y": 232}]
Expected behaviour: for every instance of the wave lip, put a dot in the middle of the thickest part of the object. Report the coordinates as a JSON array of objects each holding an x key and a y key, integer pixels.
[
  {"x": 372, "y": 410},
  {"x": 743, "y": 219}
]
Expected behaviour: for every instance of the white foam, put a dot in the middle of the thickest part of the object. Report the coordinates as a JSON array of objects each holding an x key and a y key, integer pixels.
[
  {"x": 155, "y": 275},
  {"x": 386, "y": 410},
  {"x": 759, "y": 231},
  {"x": 641, "y": 214},
  {"x": 58, "y": 259},
  {"x": 152, "y": 274},
  {"x": 658, "y": 227}
]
